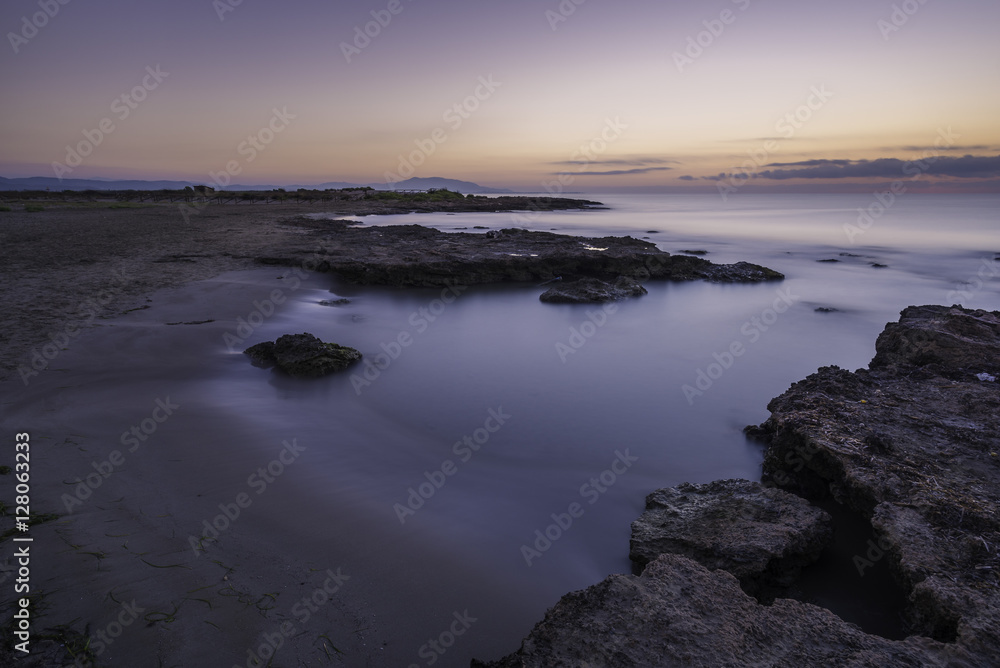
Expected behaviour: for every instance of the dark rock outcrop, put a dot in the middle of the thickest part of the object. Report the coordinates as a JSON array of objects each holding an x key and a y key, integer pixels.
[
  {"x": 912, "y": 444},
  {"x": 411, "y": 255},
  {"x": 942, "y": 341},
  {"x": 763, "y": 536},
  {"x": 303, "y": 355},
  {"x": 592, "y": 290},
  {"x": 678, "y": 613}
]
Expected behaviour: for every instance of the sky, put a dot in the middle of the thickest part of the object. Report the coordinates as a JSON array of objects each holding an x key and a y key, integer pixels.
[{"x": 557, "y": 95}]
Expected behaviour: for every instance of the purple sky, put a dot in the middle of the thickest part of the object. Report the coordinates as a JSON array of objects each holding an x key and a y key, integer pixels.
[{"x": 799, "y": 94}]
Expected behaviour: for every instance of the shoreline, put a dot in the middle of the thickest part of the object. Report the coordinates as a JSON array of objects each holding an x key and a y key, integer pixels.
[
  {"x": 54, "y": 287},
  {"x": 289, "y": 239},
  {"x": 48, "y": 281},
  {"x": 722, "y": 556}
]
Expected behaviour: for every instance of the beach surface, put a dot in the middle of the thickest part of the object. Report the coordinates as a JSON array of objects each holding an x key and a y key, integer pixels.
[
  {"x": 112, "y": 311},
  {"x": 326, "y": 526},
  {"x": 76, "y": 263}
]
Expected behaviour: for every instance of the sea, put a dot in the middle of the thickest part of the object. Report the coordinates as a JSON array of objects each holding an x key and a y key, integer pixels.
[{"x": 490, "y": 453}]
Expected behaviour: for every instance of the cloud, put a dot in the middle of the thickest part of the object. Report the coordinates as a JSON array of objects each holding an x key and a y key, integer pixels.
[
  {"x": 619, "y": 172},
  {"x": 965, "y": 167},
  {"x": 619, "y": 162},
  {"x": 756, "y": 139},
  {"x": 809, "y": 163},
  {"x": 686, "y": 177},
  {"x": 973, "y": 147}
]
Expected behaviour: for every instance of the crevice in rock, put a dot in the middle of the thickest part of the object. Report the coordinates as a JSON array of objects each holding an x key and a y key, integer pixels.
[
  {"x": 857, "y": 576},
  {"x": 853, "y": 577},
  {"x": 879, "y": 597}
]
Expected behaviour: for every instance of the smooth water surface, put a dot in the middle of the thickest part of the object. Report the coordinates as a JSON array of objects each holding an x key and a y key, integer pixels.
[{"x": 599, "y": 407}]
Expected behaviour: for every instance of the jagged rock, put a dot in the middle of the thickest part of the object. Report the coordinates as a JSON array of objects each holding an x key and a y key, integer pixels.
[
  {"x": 940, "y": 340},
  {"x": 678, "y": 613},
  {"x": 763, "y": 536},
  {"x": 912, "y": 443},
  {"x": 335, "y": 302},
  {"x": 739, "y": 272},
  {"x": 411, "y": 255},
  {"x": 590, "y": 290},
  {"x": 262, "y": 354},
  {"x": 303, "y": 355}
]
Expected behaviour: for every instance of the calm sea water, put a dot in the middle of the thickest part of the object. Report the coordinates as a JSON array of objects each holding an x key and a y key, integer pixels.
[{"x": 436, "y": 478}]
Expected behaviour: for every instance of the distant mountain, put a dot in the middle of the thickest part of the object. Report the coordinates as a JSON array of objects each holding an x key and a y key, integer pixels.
[
  {"x": 55, "y": 185},
  {"x": 438, "y": 182},
  {"x": 333, "y": 185}
]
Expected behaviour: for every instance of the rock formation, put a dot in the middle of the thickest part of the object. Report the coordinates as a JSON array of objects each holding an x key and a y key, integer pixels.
[
  {"x": 303, "y": 355},
  {"x": 912, "y": 443},
  {"x": 411, "y": 255},
  {"x": 763, "y": 536},
  {"x": 592, "y": 290}
]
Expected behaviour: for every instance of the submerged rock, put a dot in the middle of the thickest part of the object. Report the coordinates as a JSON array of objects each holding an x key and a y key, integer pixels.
[
  {"x": 303, "y": 355},
  {"x": 591, "y": 290},
  {"x": 763, "y": 536},
  {"x": 738, "y": 272}
]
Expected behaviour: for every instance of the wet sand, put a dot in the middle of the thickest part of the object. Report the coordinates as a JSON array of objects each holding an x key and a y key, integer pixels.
[
  {"x": 100, "y": 299},
  {"x": 129, "y": 539},
  {"x": 293, "y": 560},
  {"x": 73, "y": 266},
  {"x": 66, "y": 273}
]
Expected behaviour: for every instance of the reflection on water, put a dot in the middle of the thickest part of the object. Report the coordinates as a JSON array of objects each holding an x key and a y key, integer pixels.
[{"x": 486, "y": 417}]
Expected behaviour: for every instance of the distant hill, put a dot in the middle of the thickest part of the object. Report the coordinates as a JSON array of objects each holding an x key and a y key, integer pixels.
[
  {"x": 333, "y": 185},
  {"x": 54, "y": 184},
  {"x": 438, "y": 182}
]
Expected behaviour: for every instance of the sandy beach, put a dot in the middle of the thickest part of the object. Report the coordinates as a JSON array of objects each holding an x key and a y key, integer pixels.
[
  {"x": 71, "y": 267},
  {"x": 189, "y": 508},
  {"x": 103, "y": 298},
  {"x": 451, "y": 334},
  {"x": 66, "y": 273},
  {"x": 75, "y": 263}
]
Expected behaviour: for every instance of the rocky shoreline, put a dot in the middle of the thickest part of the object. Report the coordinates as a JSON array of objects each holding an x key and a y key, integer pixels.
[
  {"x": 131, "y": 250},
  {"x": 912, "y": 443},
  {"x": 415, "y": 256}
]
